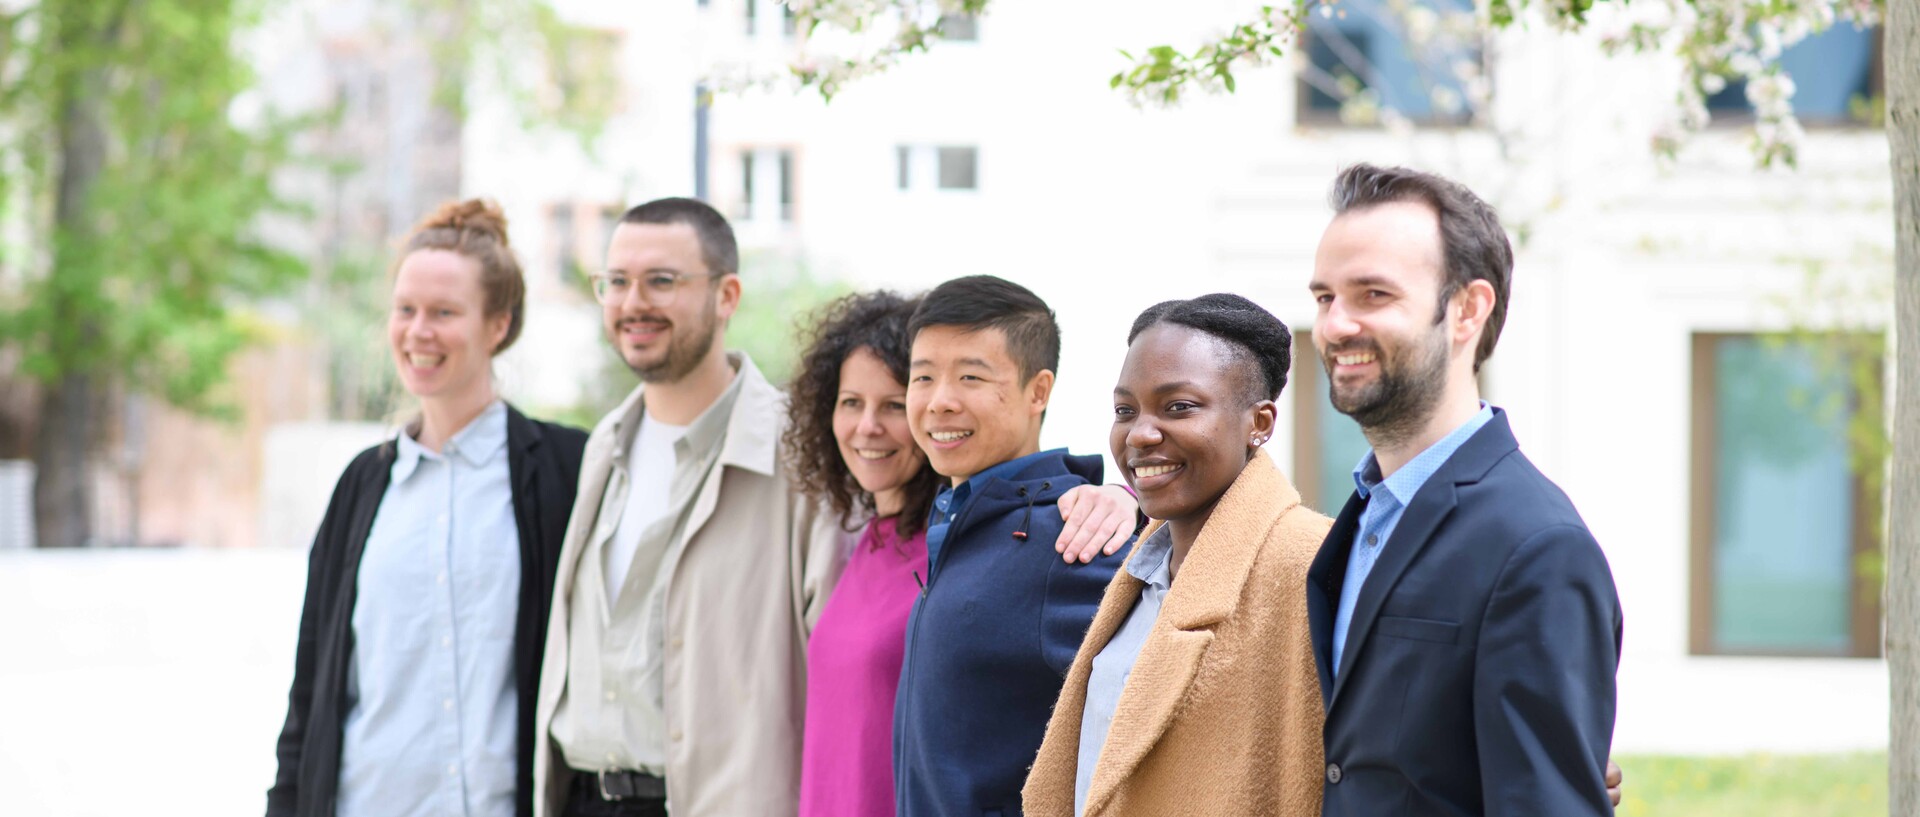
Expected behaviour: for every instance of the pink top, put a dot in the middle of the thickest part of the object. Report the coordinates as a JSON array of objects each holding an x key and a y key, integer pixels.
[{"x": 853, "y": 671}]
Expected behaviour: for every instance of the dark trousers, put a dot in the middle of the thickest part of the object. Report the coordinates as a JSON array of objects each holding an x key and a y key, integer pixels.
[{"x": 583, "y": 800}]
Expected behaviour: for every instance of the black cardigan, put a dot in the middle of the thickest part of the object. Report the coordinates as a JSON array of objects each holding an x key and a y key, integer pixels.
[{"x": 543, "y": 462}]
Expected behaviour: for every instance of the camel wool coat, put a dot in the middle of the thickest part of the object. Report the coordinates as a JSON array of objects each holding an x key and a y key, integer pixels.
[{"x": 1221, "y": 714}]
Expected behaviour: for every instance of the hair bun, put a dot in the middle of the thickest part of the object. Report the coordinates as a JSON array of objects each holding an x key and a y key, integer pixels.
[{"x": 482, "y": 216}]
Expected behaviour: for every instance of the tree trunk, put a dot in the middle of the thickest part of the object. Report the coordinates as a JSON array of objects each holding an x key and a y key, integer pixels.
[
  {"x": 1903, "y": 529},
  {"x": 63, "y": 486},
  {"x": 63, "y": 494}
]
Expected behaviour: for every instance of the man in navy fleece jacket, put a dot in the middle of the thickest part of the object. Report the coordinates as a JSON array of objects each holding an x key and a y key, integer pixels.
[{"x": 1000, "y": 615}]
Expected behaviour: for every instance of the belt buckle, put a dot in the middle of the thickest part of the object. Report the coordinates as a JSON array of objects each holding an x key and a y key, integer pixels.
[{"x": 601, "y": 778}]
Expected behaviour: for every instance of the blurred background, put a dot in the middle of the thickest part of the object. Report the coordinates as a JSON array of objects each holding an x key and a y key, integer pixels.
[{"x": 199, "y": 201}]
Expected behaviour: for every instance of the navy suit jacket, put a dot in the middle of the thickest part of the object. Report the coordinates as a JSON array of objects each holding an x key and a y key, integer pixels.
[{"x": 1478, "y": 673}]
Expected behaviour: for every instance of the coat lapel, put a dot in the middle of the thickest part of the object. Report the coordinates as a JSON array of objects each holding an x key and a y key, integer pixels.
[
  {"x": 1206, "y": 592},
  {"x": 1431, "y": 506},
  {"x": 751, "y": 443},
  {"x": 596, "y": 469},
  {"x": 1324, "y": 578}
]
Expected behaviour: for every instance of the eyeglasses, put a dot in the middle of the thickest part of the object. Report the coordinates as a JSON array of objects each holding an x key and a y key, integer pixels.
[{"x": 657, "y": 289}]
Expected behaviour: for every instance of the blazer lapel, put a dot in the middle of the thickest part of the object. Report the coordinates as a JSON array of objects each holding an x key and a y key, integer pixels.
[
  {"x": 1324, "y": 578},
  {"x": 1430, "y": 507},
  {"x": 1205, "y": 593}
]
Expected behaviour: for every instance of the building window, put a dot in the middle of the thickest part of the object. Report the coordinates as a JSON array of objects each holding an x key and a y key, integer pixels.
[
  {"x": 1326, "y": 443},
  {"x": 575, "y": 250},
  {"x": 1781, "y": 514},
  {"x": 786, "y": 185},
  {"x": 566, "y": 247},
  {"x": 1836, "y": 75},
  {"x": 764, "y": 173},
  {"x": 959, "y": 28},
  {"x": 942, "y": 167},
  {"x": 959, "y": 168},
  {"x": 745, "y": 210},
  {"x": 1365, "y": 59}
]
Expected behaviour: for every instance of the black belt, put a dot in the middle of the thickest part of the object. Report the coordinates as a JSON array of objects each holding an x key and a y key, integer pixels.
[{"x": 619, "y": 784}]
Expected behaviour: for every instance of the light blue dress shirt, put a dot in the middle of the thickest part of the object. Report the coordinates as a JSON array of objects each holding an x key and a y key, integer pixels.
[
  {"x": 430, "y": 726},
  {"x": 1387, "y": 501},
  {"x": 1111, "y": 667}
]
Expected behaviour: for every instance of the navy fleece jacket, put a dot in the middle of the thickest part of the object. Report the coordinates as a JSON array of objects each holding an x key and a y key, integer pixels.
[{"x": 989, "y": 643}]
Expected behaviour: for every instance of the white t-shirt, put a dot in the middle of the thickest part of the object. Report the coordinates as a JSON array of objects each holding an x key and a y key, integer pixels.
[{"x": 650, "y": 466}]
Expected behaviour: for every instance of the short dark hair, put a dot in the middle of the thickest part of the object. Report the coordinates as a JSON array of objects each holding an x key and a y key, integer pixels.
[
  {"x": 718, "y": 250},
  {"x": 1259, "y": 338},
  {"x": 1472, "y": 243},
  {"x": 979, "y": 302},
  {"x": 876, "y": 321}
]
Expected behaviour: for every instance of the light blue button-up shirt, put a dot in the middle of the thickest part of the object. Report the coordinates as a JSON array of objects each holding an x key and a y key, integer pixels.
[
  {"x": 430, "y": 726},
  {"x": 1387, "y": 501},
  {"x": 1115, "y": 662}
]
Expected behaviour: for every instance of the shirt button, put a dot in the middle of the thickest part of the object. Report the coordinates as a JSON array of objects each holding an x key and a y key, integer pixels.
[
  {"x": 676, "y": 736},
  {"x": 446, "y": 641},
  {"x": 1373, "y": 539},
  {"x": 611, "y": 695},
  {"x": 613, "y": 758},
  {"x": 453, "y": 769},
  {"x": 441, "y": 579},
  {"x": 1333, "y": 773},
  {"x": 443, "y": 519},
  {"x": 678, "y": 642},
  {"x": 447, "y": 704}
]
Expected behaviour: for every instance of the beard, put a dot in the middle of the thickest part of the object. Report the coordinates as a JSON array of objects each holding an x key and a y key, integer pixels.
[
  {"x": 684, "y": 351},
  {"x": 1397, "y": 404}
]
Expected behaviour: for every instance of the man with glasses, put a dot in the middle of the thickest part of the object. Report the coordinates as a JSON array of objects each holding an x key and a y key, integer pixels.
[{"x": 691, "y": 573}]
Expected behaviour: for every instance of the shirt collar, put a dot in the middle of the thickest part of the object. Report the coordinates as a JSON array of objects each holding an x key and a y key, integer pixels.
[
  {"x": 704, "y": 434},
  {"x": 1151, "y": 558},
  {"x": 477, "y": 444},
  {"x": 954, "y": 498},
  {"x": 1408, "y": 480},
  {"x": 710, "y": 429}
]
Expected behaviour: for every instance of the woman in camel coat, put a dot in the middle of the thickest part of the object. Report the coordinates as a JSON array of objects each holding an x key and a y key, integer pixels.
[{"x": 1195, "y": 691}]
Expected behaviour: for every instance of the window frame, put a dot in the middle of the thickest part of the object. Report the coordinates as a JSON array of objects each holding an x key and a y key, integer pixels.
[
  {"x": 1305, "y": 383},
  {"x": 1306, "y": 116},
  {"x": 1744, "y": 116},
  {"x": 1864, "y": 613}
]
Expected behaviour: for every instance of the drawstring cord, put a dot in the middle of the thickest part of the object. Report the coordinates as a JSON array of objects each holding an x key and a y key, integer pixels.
[{"x": 1020, "y": 535}]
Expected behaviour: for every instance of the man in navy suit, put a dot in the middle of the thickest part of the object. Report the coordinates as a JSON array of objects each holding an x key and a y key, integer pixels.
[{"x": 1464, "y": 620}]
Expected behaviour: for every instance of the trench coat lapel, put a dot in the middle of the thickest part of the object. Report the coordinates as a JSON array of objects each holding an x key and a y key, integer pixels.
[{"x": 1206, "y": 592}]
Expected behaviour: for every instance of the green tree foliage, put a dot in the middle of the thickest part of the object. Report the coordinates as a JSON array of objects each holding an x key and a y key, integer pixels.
[{"x": 141, "y": 193}]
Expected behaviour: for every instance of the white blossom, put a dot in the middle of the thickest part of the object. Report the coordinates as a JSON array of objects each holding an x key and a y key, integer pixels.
[{"x": 1421, "y": 24}]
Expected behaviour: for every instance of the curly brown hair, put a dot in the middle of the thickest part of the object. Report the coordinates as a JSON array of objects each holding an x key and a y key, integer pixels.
[{"x": 876, "y": 321}]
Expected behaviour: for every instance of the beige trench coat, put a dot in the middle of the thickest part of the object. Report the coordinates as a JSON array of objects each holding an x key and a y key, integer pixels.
[{"x": 742, "y": 598}]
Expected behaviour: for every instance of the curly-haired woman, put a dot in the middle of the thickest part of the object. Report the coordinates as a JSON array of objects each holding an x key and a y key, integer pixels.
[{"x": 849, "y": 445}]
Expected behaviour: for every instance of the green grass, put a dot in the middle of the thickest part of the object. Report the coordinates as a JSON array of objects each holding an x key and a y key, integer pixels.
[{"x": 1853, "y": 785}]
